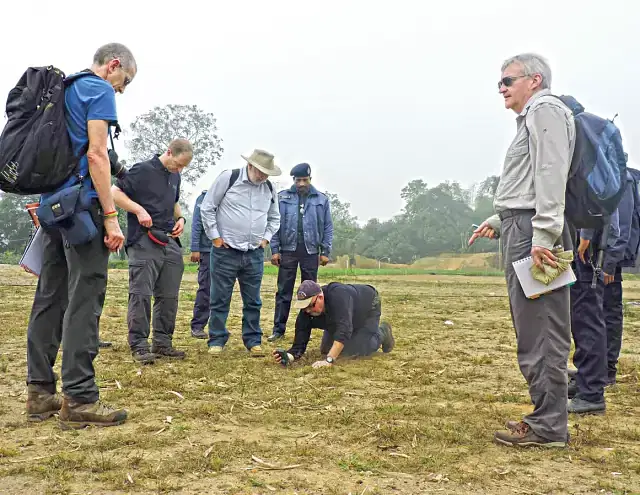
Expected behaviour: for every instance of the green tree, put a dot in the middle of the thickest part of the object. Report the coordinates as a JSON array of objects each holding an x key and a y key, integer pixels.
[
  {"x": 16, "y": 222},
  {"x": 151, "y": 133},
  {"x": 345, "y": 227}
]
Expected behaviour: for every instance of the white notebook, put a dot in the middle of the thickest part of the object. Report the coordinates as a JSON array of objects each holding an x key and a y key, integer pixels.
[
  {"x": 533, "y": 288},
  {"x": 31, "y": 259}
]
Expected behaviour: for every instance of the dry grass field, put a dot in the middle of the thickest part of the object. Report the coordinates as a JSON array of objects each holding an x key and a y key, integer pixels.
[{"x": 417, "y": 420}]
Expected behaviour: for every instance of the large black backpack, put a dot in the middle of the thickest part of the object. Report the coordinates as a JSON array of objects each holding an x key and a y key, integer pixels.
[{"x": 35, "y": 150}]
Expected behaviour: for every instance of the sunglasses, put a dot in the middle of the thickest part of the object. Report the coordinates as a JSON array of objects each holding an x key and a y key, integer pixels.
[
  {"x": 508, "y": 81},
  {"x": 127, "y": 79}
]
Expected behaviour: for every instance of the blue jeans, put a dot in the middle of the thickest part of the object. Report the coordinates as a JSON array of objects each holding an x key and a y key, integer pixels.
[{"x": 227, "y": 265}]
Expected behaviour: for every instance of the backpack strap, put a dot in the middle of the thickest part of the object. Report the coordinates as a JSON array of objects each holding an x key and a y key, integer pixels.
[
  {"x": 235, "y": 173},
  {"x": 270, "y": 186}
]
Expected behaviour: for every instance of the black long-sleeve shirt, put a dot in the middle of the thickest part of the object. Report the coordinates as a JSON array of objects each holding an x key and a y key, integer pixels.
[{"x": 346, "y": 308}]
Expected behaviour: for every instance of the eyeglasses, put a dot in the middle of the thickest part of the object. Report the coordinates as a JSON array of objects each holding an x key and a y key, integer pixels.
[
  {"x": 127, "y": 79},
  {"x": 508, "y": 81},
  {"x": 312, "y": 305}
]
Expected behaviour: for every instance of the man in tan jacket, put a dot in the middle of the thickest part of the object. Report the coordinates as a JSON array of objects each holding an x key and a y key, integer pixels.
[{"x": 530, "y": 219}]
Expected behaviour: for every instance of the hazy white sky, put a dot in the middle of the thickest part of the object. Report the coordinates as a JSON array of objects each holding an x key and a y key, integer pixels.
[{"x": 372, "y": 94}]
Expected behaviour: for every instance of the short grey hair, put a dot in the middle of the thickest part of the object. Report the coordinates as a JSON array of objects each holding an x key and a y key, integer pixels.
[
  {"x": 532, "y": 63},
  {"x": 111, "y": 51}
]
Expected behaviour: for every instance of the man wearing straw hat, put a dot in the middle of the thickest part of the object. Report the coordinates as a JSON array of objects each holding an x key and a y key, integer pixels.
[{"x": 240, "y": 215}]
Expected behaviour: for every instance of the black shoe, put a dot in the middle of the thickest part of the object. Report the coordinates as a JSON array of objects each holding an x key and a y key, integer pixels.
[
  {"x": 199, "y": 334},
  {"x": 103, "y": 344},
  {"x": 274, "y": 337},
  {"x": 143, "y": 356},
  {"x": 572, "y": 389},
  {"x": 168, "y": 352},
  {"x": 581, "y": 406},
  {"x": 388, "y": 342}
]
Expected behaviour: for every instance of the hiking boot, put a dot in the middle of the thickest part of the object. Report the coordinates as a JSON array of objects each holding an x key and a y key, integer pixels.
[
  {"x": 215, "y": 350},
  {"x": 572, "y": 388},
  {"x": 515, "y": 425},
  {"x": 77, "y": 415},
  {"x": 387, "y": 337},
  {"x": 274, "y": 337},
  {"x": 523, "y": 436},
  {"x": 578, "y": 405},
  {"x": 103, "y": 344},
  {"x": 168, "y": 352},
  {"x": 143, "y": 356},
  {"x": 41, "y": 404},
  {"x": 256, "y": 351},
  {"x": 199, "y": 333}
]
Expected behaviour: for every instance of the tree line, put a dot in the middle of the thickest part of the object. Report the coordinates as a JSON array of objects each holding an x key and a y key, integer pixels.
[{"x": 434, "y": 220}]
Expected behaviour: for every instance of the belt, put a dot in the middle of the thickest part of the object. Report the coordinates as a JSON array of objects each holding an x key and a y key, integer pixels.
[{"x": 514, "y": 213}]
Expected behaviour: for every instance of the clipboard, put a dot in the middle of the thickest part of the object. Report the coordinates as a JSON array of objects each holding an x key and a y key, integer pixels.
[{"x": 533, "y": 288}]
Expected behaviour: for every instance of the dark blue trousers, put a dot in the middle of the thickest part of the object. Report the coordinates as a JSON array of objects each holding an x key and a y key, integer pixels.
[
  {"x": 287, "y": 272},
  {"x": 201, "y": 307},
  {"x": 613, "y": 322},
  {"x": 589, "y": 334}
]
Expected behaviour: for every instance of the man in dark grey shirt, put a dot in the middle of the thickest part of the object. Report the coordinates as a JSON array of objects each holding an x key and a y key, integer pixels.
[
  {"x": 530, "y": 220},
  {"x": 150, "y": 192}
]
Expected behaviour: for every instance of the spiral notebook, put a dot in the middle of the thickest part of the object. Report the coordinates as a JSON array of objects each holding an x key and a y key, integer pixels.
[{"x": 531, "y": 287}]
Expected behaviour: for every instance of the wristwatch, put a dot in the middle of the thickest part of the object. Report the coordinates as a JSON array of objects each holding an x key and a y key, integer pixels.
[{"x": 330, "y": 360}]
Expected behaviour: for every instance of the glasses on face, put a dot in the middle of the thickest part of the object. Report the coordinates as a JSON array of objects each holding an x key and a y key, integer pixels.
[
  {"x": 312, "y": 306},
  {"x": 508, "y": 81},
  {"x": 127, "y": 79}
]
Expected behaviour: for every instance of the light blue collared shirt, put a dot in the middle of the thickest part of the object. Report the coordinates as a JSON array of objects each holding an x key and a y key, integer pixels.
[{"x": 244, "y": 216}]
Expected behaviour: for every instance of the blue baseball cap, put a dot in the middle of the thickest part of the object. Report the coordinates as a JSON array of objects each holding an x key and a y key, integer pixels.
[{"x": 307, "y": 290}]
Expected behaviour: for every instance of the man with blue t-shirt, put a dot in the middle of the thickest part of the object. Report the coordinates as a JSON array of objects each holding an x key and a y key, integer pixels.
[{"x": 72, "y": 284}]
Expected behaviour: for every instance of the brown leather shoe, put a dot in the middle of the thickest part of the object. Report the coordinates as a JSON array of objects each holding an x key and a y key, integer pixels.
[
  {"x": 523, "y": 436},
  {"x": 78, "y": 415},
  {"x": 41, "y": 404}
]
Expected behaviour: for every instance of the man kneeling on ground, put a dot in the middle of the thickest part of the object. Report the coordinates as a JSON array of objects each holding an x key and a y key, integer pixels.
[{"x": 349, "y": 314}]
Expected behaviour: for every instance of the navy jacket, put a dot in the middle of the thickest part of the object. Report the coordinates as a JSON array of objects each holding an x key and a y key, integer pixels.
[
  {"x": 624, "y": 235},
  {"x": 316, "y": 223},
  {"x": 200, "y": 243}
]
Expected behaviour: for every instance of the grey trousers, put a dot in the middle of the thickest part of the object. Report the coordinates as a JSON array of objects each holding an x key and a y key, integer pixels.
[
  {"x": 153, "y": 270},
  {"x": 66, "y": 308},
  {"x": 543, "y": 332}
]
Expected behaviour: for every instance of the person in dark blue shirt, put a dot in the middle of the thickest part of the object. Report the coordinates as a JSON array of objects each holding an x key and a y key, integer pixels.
[
  {"x": 72, "y": 284},
  {"x": 593, "y": 320},
  {"x": 150, "y": 193},
  {"x": 349, "y": 314},
  {"x": 200, "y": 250},
  {"x": 304, "y": 238}
]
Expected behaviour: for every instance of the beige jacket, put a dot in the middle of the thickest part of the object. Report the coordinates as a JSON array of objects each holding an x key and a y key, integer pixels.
[{"x": 534, "y": 176}]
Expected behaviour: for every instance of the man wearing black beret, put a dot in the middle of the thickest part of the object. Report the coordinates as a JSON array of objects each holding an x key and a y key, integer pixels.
[{"x": 304, "y": 238}]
